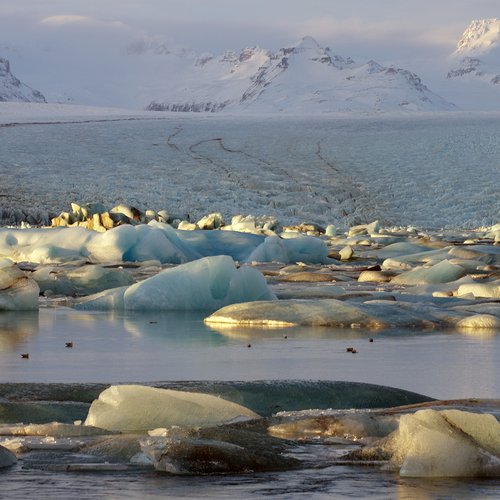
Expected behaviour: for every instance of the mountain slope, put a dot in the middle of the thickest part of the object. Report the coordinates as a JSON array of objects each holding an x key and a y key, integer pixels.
[
  {"x": 477, "y": 57},
  {"x": 11, "y": 89},
  {"x": 301, "y": 78}
]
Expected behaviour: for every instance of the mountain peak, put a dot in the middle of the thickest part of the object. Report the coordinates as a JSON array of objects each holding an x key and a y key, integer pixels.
[
  {"x": 307, "y": 43},
  {"x": 11, "y": 89},
  {"x": 480, "y": 37}
]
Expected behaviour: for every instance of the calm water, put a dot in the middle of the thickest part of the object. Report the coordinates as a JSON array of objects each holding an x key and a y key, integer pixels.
[
  {"x": 139, "y": 347},
  {"x": 178, "y": 346}
]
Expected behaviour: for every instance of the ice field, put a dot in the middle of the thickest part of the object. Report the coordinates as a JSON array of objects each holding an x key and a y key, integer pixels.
[
  {"x": 428, "y": 171},
  {"x": 357, "y": 359}
]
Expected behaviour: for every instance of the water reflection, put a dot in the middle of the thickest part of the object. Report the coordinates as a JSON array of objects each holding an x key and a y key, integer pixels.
[{"x": 16, "y": 329}]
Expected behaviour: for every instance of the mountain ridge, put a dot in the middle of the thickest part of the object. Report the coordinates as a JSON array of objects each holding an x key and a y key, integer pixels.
[
  {"x": 12, "y": 89},
  {"x": 304, "y": 77}
]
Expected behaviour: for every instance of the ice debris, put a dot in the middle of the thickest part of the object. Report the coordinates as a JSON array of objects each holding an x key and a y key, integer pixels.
[{"x": 140, "y": 408}]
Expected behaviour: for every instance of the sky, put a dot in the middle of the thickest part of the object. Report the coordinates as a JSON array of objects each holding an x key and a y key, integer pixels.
[
  {"x": 372, "y": 28},
  {"x": 40, "y": 37}
]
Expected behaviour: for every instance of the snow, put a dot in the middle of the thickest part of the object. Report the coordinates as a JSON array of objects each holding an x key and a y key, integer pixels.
[
  {"x": 302, "y": 77},
  {"x": 140, "y": 408},
  {"x": 207, "y": 283}
]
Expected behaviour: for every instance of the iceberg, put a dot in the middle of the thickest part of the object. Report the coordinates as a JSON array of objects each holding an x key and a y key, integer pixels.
[
  {"x": 300, "y": 249},
  {"x": 138, "y": 408},
  {"x": 372, "y": 314},
  {"x": 233, "y": 448},
  {"x": 285, "y": 313},
  {"x": 443, "y": 272},
  {"x": 208, "y": 283},
  {"x": 7, "y": 458},
  {"x": 17, "y": 291},
  {"x": 84, "y": 280},
  {"x": 484, "y": 290},
  {"x": 447, "y": 443}
]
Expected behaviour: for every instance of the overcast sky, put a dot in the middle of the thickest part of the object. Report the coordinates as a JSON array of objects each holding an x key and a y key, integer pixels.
[{"x": 395, "y": 29}]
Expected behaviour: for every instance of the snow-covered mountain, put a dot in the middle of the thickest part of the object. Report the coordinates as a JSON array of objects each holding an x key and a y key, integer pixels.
[
  {"x": 477, "y": 57},
  {"x": 12, "y": 89},
  {"x": 302, "y": 78}
]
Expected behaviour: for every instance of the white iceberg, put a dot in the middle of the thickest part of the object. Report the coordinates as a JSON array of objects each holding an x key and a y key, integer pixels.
[
  {"x": 205, "y": 284},
  {"x": 140, "y": 408},
  {"x": 484, "y": 290},
  {"x": 443, "y": 272},
  {"x": 300, "y": 249},
  {"x": 448, "y": 443}
]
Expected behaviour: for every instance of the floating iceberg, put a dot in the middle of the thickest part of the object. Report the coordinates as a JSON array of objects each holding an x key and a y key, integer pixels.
[
  {"x": 17, "y": 291},
  {"x": 448, "y": 443},
  {"x": 300, "y": 249},
  {"x": 443, "y": 272},
  {"x": 219, "y": 450},
  {"x": 152, "y": 241},
  {"x": 373, "y": 314},
  {"x": 7, "y": 458},
  {"x": 140, "y": 408},
  {"x": 486, "y": 290},
  {"x": 83, "y": 280},
  {"x": 208, "y": 283}
]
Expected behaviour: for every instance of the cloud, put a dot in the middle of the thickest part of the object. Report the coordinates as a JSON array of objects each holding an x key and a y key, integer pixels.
[
  {"x": 65, "y": 19},
  {"x": 71, "y": 19},
  {"x": 396, "y": 39}
]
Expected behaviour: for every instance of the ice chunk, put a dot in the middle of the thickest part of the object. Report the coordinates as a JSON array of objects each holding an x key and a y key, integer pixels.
[
  {"x": 221, "y": 449},
  {"x": 353, "y": 426},
  {"x": 17, "y": 291},
  {"x": 208, "y": 283},
  {"x": 7, "y": 458},
  {"x": 480, "y": 321},
  {"x": 374, "y": 314},
  {"x": 487, "y": 290},
  {"x": 81, "y": 281},
  {"x": 54, "y": 429},
  {"x": 300, "y": 249},
  {"x": 283, "y": 313},
  {"x": 443, "y": 272},
  {"x": 449, "y": 443},
  {"x": 140, "y": 408}
]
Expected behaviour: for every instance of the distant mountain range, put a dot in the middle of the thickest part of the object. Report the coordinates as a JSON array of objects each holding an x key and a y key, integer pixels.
[
  {"x": 478, "y": 53},
  {"x": 11, "y": 88},
  {"x": 301, "y": 78}
]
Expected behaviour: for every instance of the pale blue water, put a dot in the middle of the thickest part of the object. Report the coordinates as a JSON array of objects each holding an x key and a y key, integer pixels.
[{"x": 149, "y": 347}]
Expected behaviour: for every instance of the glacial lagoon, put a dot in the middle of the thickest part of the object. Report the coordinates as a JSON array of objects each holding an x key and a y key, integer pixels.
[{"x": 402, "y": 171}]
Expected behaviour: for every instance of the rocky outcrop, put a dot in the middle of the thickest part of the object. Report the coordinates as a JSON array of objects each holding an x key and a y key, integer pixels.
[{"x": 12, "y": 89}]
